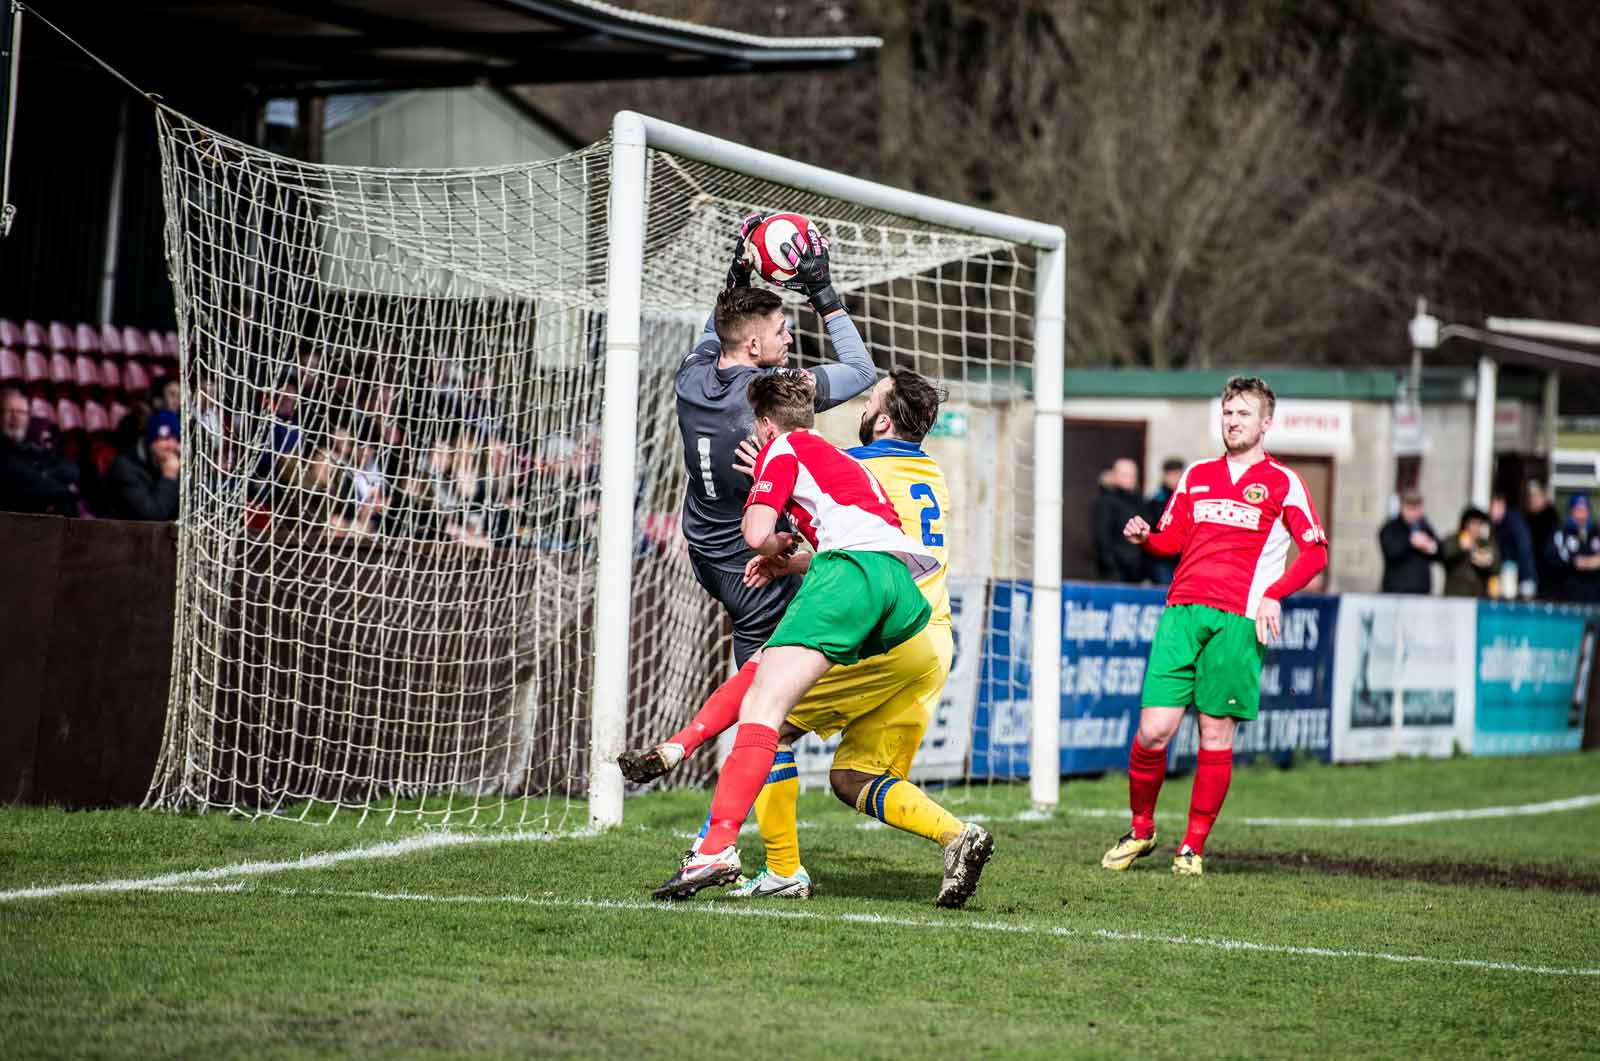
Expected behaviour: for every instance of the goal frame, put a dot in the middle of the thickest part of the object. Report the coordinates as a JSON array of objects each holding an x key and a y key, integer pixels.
[{"x": 632, "y": 136}]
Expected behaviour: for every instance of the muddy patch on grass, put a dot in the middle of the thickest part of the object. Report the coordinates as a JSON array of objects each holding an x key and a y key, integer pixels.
[{"x": 1480, "y": 874}]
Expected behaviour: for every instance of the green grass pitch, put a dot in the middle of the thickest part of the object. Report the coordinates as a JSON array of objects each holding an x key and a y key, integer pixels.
[{"x": 1449, "y": 937}]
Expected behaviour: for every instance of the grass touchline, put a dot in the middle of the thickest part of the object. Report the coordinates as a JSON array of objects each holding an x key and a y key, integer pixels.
[{"x": 731, "y": 909}]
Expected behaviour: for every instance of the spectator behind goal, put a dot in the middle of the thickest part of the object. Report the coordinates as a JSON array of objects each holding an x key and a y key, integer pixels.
[
  {"x": 1516, "y": 548},
  {"x": 1115, "y": 559},
  {"x": 1470, "y": 557},
  {"x": 1575, "y": 554},
  {"x": 1410, "y": 548},
  {"x": 142, "y": 482},
  {"x": 1543, "y": 525},
  {"x": 1162, "y": 568},
  {"x": 32, "y": 477}
]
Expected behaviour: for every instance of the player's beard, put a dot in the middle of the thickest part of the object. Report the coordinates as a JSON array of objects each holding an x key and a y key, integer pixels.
[
  {"x": 865, "y": 432},
  {"x": 1244, "y": 444}
]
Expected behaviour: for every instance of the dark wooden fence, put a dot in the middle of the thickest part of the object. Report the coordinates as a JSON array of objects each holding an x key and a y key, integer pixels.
[{"x": 85, "y": 657}]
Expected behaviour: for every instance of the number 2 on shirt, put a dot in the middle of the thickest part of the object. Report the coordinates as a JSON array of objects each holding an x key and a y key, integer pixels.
[{"x": 930, "y": 512}]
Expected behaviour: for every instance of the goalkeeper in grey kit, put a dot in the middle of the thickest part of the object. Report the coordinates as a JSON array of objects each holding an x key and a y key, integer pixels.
[{"x": 746, "y": 337}]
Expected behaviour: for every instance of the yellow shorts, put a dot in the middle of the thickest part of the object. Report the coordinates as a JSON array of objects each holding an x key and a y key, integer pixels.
[{"x": 883, "y": 704}]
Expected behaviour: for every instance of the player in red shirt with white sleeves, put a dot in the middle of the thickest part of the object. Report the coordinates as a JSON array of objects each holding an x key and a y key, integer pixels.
[
  {"x": 1231, "y": 519},
  {"x": 859, "y": 599}
]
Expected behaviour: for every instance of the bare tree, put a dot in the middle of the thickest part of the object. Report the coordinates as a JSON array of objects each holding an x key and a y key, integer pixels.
[
  {"x": 1222, "y": 209},
  {"x": 1218, "y": 205},
  {"x": 1215, "y": 164}
]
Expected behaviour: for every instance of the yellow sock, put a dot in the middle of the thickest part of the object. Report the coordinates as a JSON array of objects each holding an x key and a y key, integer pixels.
[
  {"x": 775, "y": 814},
  {"x": 897, "y": 802}
]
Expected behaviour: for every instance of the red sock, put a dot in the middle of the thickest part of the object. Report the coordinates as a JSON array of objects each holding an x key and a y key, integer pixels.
[
  {"x": 1146, "y": 771},
  {"x": 1211, "y": 779},
  {"x": 754, "y": 748},
  {"x": 720, "y": 711}
]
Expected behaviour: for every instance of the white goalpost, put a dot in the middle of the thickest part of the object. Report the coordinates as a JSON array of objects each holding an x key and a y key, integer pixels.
[{"x": 429, "y": 562}]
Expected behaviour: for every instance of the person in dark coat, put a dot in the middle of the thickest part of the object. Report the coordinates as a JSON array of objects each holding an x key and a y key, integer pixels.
[
  {"x": 32, "y": 477},
  {"x": 1543, "y": 523},
  {"x": 1470, "y": 557},
  {"x": 1575, "y": 554},
  {"x": 1117, "y": 559},
  {"x": 1516, "y": 545},
  {"x": 142, "y": 483},
  {"x": 1410, "y": 548}
]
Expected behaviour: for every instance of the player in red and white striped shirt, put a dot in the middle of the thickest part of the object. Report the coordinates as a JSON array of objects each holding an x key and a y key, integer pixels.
[
  {"x": 859, "y": 599},
  {"x": 1232, "y": 519}
]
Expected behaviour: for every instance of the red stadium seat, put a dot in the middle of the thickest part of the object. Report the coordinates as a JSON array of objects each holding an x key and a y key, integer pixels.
[
  {"x": 61, "y": 374},
  {"x": 10, "y": 334},
  {"x": 110, "y": 340},
  {"x": 110, "y": 377},
  {"x": 32, "y": 335},
  {"x": 172, "y": 344},
  {"x": 115, "y": 412},
  {"x": 43, "y": 410},
  {"x": 95, "y": 419},
  {"x": 158, "y": 344},
  {"x": 60, "y": 338},
  {"x": 88, "y": 339},
  {"x": 134, "y": 343},
  {"x": 69, "y": 415},
  {"x": 135, "y": 380},
  {"x": 87, "y": 372},
  {"x": 10, "y": 366},
  {"x": 35, "y": 367}
]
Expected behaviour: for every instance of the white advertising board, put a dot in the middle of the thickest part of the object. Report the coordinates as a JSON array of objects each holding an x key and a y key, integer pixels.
[{"x": 1403, "y": 676}]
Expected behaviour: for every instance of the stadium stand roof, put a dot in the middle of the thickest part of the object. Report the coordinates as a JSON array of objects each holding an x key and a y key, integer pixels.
[{"x": 320, "y": 47}]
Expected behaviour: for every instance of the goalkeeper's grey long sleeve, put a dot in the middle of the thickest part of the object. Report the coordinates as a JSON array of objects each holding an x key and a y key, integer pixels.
[{"x": 853, "y": 374}]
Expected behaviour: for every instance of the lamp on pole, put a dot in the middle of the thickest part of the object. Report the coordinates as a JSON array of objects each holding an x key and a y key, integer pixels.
[{"x": 1500, "y": 333}]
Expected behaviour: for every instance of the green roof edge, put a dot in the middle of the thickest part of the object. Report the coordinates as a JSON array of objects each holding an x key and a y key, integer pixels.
[
  {"x": 1440, "y": 383},
  {"x": 1368, "y": 384}
]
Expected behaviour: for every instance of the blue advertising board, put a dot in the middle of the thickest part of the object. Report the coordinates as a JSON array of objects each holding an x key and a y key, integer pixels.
[
  {"x": 1106, "y": 631},
  {"x": 1533, "y": 667}
]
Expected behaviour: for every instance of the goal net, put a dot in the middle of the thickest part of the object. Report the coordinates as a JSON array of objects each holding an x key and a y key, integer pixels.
[{"x": 429, "y": 556}]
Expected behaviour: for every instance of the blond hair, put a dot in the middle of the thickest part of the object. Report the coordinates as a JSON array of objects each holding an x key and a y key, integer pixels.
[{"x": 1252, "y": 385}]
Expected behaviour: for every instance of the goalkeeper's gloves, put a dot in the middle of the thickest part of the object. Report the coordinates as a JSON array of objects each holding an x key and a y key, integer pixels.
[
  {"x": 809, "y": 257},
  {"x": 739, "y": 271}
]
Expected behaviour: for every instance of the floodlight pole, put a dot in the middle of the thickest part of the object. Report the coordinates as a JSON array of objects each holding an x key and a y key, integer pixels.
[{"x": 10, "y": 62}]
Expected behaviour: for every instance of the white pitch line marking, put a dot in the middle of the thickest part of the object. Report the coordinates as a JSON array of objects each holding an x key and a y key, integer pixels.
[
  {"x": 388, "y": 849},
  {"x": 431, "y": 840},
  {"x": 1011, "y": 928},
  {"x": 1515, "y": 810}
]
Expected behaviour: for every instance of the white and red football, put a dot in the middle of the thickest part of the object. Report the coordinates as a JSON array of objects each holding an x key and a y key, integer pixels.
[{"x": 766, "y": 240}]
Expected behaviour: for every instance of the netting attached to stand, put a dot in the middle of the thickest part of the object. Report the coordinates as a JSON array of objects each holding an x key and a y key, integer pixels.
[{"x": 392, "y": 397}]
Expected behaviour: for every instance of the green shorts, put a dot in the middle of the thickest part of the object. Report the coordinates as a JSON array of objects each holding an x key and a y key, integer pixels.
[
  {"x": 852, "y": 605},
  {"x": 1206, "y": 657}
]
